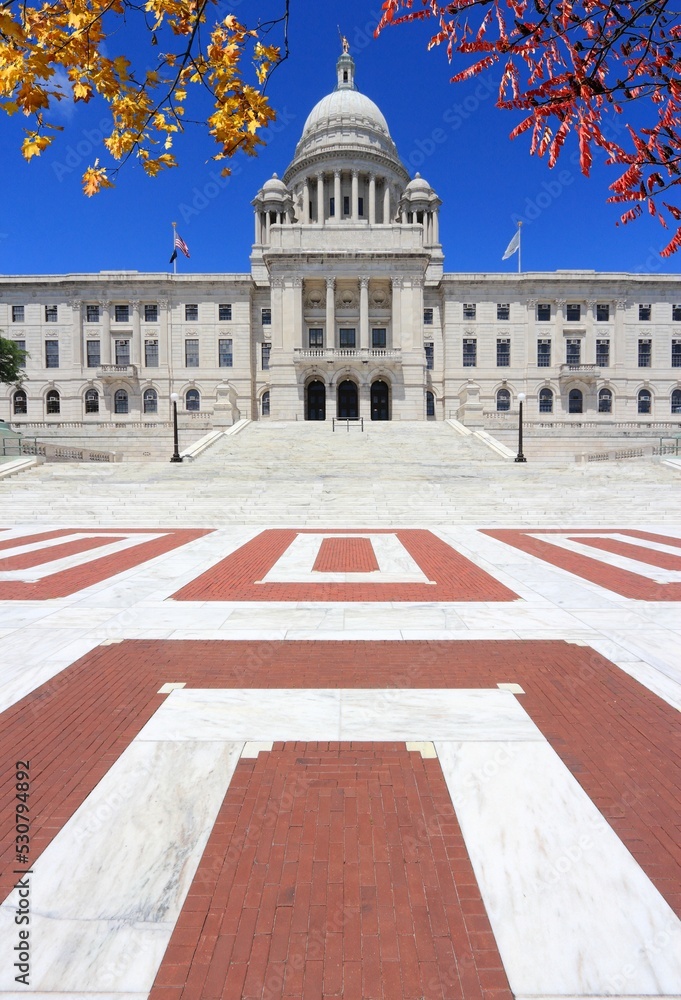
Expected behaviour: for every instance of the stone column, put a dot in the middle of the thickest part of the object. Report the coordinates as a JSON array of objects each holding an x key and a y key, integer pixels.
[
  {"x": 372, "y": 199},
  {"x": 105, "y": 345},
  {"x": 268, "y": 223},
  {"x": 386, "y": 203},
  {"x": 164, "y": 353},
  {"x": 298, "y": 339},
  {"x": 306, "y": 201},
  {"x": 436, "y": 227},
  {"x": 258, "y": 227},
  {"x": 364, "y": 312},
  {"x": 354, "y": 199},
  {"x": 396, "y": 318},
  {"x": 320, "y": 198},
  {"x": 77, "y": 321},
  {"x": 136, "y": 346},
  {"x": 277, "y": 300},
  {"x": 330, "y": 338},
  {"x": 337, "y": 207}
]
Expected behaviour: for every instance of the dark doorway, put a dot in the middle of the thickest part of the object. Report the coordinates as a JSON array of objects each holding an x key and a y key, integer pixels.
[
  {"x": 316, "y": 401},
  {"x": 348, "y": 405},
  {"x": 380, "y": 401}
]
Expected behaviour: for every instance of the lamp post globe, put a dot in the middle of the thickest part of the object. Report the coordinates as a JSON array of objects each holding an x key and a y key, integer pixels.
[
  {"x": 176, "y": 457},
  {"x": 520, "y": 457}
]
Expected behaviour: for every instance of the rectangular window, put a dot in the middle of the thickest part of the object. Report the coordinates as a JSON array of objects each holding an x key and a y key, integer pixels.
[
  {"x": 17, "y": 314},
  {"x": 676, "y": 353},
  {"x": 265, "y": 356},
  {"x": 644, "y": 353},
  {"x": 346, "y": 205},
  {"x": 52, "y": 354},
  {"x": 644, "y": 313},
  {"x": 469, "y": 310},
  {"x": 378, "y": 337},
  {"x": 191, "y": 312},
  {"x": 503, "y": 310},
  {"x": 503, "y": 352},
  {"x": 151, "y": 312},
  {"x": 191, "y": 354},
  {"x": 151, "y": 353},
  {"x": 225, "y": 357},
  {"x": 573, "y": 352},
  {"x": 266, "y": 317},
  {"x": 50, "y": 314},
  {"x": 315, "y": 336},
  {"x": 122, "y": 352},
  {"x": 94, "y": 356},
  {"x": 347, "y": 338},
  {"x": 543, "y": 354},
  {"x": 676, "y": 313},
  {"x": 360, "y": 207},
  {"x": 430, "y": 355},
  {"x": 91, "y": 313},
  {"x": 544, "y": 312},
  {"x": 122, "y": 314},
  {"x": 21, "y": 345},
  {"x": 603, "y": 353},
  {"x": 602, "y": 312},
  {"x": 332, "y": 207},
  {"x": 573, "y": 312},
  {"x": 428, "y": 317},
  {"x": 470, "y": 353},
  {"x": 224, "y": 312}
]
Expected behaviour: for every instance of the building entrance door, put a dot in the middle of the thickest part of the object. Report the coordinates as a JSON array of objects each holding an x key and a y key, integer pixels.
[
  {"x": 380, "y": 400},
  {"x": 316, "y": 401},
  {"x": 348, "y": 404}
]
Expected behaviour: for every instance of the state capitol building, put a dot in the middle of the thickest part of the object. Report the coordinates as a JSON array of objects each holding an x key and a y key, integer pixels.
[{"x": 346, "y": 312}]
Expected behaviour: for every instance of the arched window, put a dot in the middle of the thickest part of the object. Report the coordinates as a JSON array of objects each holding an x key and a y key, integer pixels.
[
  {"x": 193, "y": 399},
  {"x": 430, "y": 404},
  {"x": 150, "y": 401},
  {"x": 546, "y": 401},
  {"x": 644, "y": 401},
  {"x": 120, "y": 401},
  {"x": 575, "y": 401},
  {"x": 503, "y": 399},
  {"x": 92, "y": 401},
  {"x": 676, "y": 401},
  {"x": 20, "y": 402},
  {"x": 605, "y": 401},
  {"x": 52, "y": 402},
  {"x": 265, "y": 404}
]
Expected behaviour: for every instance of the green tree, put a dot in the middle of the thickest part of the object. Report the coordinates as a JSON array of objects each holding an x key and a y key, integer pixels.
[{"x": 11, "y": 362}]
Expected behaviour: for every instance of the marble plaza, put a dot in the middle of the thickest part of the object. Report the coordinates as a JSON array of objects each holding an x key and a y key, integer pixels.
[{"x": 337, "y": 751}]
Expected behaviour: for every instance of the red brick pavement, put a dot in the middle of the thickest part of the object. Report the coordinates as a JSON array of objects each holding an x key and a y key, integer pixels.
[
  {"x": 68, "y": 581},
  {"x": 334, "y": 870},
  {"x": 622, "y": 581},
  {"x": 345, "y": 555},
  {"x": 39, "y": 557},
  {"x": 665, "y": 560},
  {"x": 236, "y": 577}
]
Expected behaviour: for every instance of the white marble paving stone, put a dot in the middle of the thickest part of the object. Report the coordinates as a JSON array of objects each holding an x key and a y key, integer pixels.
[
  {"x": 569, "y": 906},
  {"x": 330, "y": 714},
  {"x": 72, "y": 995},
  {"x": 107, "y": 892}
]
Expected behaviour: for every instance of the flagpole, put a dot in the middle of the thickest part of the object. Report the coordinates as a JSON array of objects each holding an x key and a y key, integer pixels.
[
  {"x": 174, "y": 249},
  {"x": 519, "y": 245}
]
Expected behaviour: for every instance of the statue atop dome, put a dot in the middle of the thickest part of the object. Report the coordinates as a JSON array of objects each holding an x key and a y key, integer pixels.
[{"x": 344, "y": 42}]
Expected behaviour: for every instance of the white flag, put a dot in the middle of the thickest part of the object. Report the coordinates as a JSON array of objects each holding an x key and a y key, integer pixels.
[{"x": 512, "y": 246}]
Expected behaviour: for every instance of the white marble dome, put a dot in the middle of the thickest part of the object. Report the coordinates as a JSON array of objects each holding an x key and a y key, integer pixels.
[{"x": 343, "y": 109}]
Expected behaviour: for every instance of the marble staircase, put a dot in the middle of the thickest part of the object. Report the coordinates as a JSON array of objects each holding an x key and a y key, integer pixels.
[{"x": 304, "y": 474}]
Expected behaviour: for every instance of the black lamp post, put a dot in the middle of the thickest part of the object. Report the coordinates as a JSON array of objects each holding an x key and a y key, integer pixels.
[
  {"x": 520, "y": 457},
  {"x": 176, "y": 454}
]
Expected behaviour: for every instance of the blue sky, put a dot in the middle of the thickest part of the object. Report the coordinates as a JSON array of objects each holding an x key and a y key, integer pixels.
[{"x": 452, "y": 134}]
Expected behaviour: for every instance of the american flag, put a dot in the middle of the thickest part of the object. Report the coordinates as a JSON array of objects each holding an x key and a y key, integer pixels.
[{"x": 180, "y": 245}]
